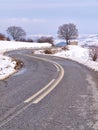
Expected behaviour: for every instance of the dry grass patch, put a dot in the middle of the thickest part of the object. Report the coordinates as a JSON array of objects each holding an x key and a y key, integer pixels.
[
  {"x": 73, "y": 43},
  {"x": 55, "y": 50},
  {"x": 18, "y": 65},
  {"x": 93, "y": 51}
]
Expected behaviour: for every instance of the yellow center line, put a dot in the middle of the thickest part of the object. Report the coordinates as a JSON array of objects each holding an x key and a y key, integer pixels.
[
  {"x": 57, "y": 67},
  {"x": 38, "y": 96},
  {"x": 39, "y": 92},
  {"x": 56, "y": 82}
]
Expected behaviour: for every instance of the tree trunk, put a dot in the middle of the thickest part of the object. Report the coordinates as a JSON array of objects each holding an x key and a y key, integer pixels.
[{"x": 67, "y": 42}]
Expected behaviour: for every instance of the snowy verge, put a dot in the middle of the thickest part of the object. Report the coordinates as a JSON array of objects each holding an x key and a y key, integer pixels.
[
  {"x": 80, "y": 55},
  {"x": 7, "y": 66},
  {"x": 75, "y": 53}
]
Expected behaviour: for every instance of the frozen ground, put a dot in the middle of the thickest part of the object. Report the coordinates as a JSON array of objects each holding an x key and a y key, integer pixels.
[{"x": 76, "y": 53}]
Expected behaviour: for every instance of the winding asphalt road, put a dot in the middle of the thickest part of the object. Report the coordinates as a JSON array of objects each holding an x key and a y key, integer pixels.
[{"x": 49, "y": 93}]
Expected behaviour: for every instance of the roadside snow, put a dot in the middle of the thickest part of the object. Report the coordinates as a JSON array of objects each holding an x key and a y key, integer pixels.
[
  {"x": 76, "y": 53},
  {"x": 12, "y": 45},
  {"x": 6, "y": 66},
  {"x": 80, "y": 55}
]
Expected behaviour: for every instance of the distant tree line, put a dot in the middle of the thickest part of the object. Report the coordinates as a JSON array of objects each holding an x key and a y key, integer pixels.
[{"x": 65, "y": 31}]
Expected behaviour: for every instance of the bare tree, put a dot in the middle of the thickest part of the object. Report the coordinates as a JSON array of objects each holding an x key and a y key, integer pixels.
[
  {"x": 68, "y": 32},
  {"x": 16, "y": 32}
]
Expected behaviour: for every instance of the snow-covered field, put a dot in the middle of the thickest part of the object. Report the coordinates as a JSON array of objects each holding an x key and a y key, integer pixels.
[
  {"x": 88, "y": 39},
  {"x": 74, "y": 52}
]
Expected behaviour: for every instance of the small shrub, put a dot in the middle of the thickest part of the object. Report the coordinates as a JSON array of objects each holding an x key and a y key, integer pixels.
[
  {"x": 44, "y": 39},
  {"x": 30, "y": 40},
  {"x": 65, "y": 48},
  {"x": 2, "y": 37},
  {"x": 8, "y": 39},
  {"x": 19, "y": 64},
  {"x": 48, "y": 52},
  {"x": 94, "y": 57},
  {"x": 93, "y": 51},
  {"x": 21, "y": 40}
]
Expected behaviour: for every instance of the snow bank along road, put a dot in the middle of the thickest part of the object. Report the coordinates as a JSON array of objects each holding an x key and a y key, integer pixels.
[{"x": 68, "y": 100}]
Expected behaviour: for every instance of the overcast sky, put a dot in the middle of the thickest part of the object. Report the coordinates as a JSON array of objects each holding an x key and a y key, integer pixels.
[{"x": 45, "y": 16}]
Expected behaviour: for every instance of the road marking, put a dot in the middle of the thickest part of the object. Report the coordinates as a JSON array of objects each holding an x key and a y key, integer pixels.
[
  {"x": 57, "y": 67},
  {"x": 39, "y": 92},
  {"x": 37, "y": 97},
  {"x": 56, "y": 82}
]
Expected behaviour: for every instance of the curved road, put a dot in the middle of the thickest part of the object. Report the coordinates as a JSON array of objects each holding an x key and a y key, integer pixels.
[{"x": 49, "y": 93}]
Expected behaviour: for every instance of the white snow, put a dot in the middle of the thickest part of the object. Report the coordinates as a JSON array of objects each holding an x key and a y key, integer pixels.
[
  {"x": 12, "y": 45},
  {"x": 76, "y": 53},
  {"x": 89, "y": 39},
  {"x": 80, "y": 55},
  {"x": 6, "y": 66}
]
